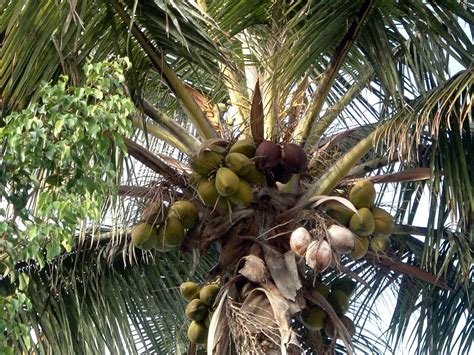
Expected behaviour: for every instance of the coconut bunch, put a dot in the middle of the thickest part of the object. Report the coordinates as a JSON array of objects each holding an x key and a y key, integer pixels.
[
  {"x": 338, "y": 294},
  {"x": 280, "y": 162},
  {"x": 371, "y": 224},
  {"x": 168, "y": 231},
  {"x": 199, "y": 308},
  {"x": 225, "y": 176}
]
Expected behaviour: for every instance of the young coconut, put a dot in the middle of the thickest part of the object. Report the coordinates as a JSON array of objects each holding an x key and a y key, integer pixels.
[
  {"x": 361, "y": 247},
  {"x": 227, "y": 182},
  {"x": 341, "y": 239},
  {"x": 197, "y": 333},
  {"x": 244, "y": 146},
  {"x": 300, "y": 240},
  {"x": 170, "y": 234},
  {"x": 314, "y": 318},
  {"x": 362, "y": 194},
  {"x": 186, "y": 212},
  {"x": 196, "y": 310},
  {"x": 344, "y": 284},
  {"x": 339, "y": 301},
  {"x": 208, "y": 294},
  {"x": 206, "y": 162},
  {"x": 339, "y": 212},
  {"x": 362, "y": 223},
  {"x": 189, "y": 290},
  {"x": 318, "y": 255},
  {"x": 244, "y": 196},
  {"x": 383, "y": 222},
  {"x": 322, "y": 289},
  {"x": 144, "y": 236},
  {"x": 238, "y": 163},
  {"x": 380, "y": 244},
  {"x": 208, "y": 192}
]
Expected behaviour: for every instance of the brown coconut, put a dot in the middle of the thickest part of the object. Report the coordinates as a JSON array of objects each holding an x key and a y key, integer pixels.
[
  {"x": 293, "y": 159},
  {"x": 267, "y": 155}
]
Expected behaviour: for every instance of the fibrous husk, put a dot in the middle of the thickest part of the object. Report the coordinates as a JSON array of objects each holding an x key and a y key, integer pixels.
[
  {"x": 299, "y": 241},
  {"x": 319, "y": 255},
  {"x": 196, "y": 310},
  {"x": 186, "y": 212},
  {"x": 361, "y": 247},
  {"x": 197, "y": 333},
  {"x": 189, "y": 290},
  {"x": 227, "y": 182},
  {"x": 362, "y": 194},
  {"x": 267, "y": 155},
  {"x": 383, "y": 222},
  {"x": 314, "y": 318},
  {"x": 144, "y": 236},
  {"x": 244, "y": 146},
  {"x": 238, "y": 163},
  {"x": 362, "y": 223},
  {"x": 341, "y": 239},
  {"x": 293, "y": 159},
  {"x": 206, "y": 162}
]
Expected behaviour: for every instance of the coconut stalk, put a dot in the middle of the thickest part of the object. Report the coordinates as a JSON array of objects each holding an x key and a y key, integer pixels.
[
  {"x": 302, "y": 130},
  {"x": 203, "y": 126}
]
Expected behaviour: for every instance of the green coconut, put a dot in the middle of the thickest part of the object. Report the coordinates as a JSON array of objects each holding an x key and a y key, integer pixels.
[
  {"x": 362, "y": 194},
  {"x": 244, "y": 196},
  {"x": 227, "y": 182},
  {"x": 383, "y": 222},
  {"x": 254, "y": 177},
  {"x": 189, "y": 290},
  {"x": 186, "y": 212},
  {"x": 314, "y": 318},
  {"x": 206, "y": 162},
  {"x": 196, "y": 310},
  {"x": 208, "y": 192},
  {"x": 170, "y": 234},
  {"x": 208, "y": 294},
  {"x": 380, "y": 243},
  {"x": 361, "y": 247},
  {"x": 339, "y": 213},
  {"x": 144, "y": 236},
  {"x": 362, "y": 223},
  {"x": 238, "y": 163},
  {"x": 197, "y": 333},
  {"x": 244, "y": 146},
  {"x": 339, "y": 301},
  {"x": 344, "y": 284}
]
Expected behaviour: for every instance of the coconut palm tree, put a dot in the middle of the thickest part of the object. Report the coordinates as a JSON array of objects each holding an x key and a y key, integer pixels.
[{"x": 377, "y": 91}]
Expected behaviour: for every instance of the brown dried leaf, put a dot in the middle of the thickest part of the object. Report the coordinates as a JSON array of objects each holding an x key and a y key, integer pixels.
[
  {"x": 283, "y": 271},
  {"x": 206, "y": 105},
  {"x": 254, "y": 269}
]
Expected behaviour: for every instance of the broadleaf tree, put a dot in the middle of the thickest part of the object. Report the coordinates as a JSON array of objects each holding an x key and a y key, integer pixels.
[{"x": 361, "y": 93}]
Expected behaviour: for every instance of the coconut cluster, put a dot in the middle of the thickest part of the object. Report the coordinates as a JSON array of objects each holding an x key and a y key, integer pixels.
[
  {"x": 164, "y": 234},
  {"x": 280, "y": 162},
  {"x": 372, "y": 225},
  {"x": 198, "y": 310},
  {"x": 338, "y": 294},
  {"x": 225, "y": 176}
]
